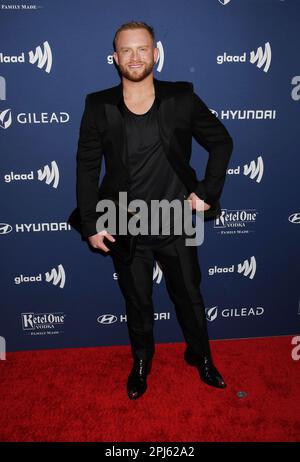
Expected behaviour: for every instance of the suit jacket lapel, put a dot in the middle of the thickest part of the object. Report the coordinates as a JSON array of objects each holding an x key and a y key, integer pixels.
[
  {"x": 166, "y": 113},
  {"x": 113, "y": 111}
]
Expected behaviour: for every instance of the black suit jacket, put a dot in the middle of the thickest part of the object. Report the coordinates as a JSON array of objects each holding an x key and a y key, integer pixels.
[{"x": 181, "y": 116}]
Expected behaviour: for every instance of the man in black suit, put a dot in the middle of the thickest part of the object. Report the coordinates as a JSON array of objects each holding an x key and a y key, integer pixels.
[{"x": 144, "y": 128}]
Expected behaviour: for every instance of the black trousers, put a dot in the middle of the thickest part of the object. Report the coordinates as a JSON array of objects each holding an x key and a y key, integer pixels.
[{"x": 182, "y": 274}]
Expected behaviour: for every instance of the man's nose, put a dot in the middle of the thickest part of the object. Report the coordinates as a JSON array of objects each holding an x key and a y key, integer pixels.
[{"x": 135, "y": 55}]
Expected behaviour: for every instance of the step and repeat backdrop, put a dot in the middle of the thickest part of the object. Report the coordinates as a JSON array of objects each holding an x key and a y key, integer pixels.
[{"x": 243, "y": 59}]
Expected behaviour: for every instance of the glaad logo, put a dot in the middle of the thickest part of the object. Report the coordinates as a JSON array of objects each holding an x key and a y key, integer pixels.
[
  {"x": 245, "y": 268},
  {"x": 2, "y": 349},
  {"x": 260, "y": 57},
  {"x": 5, "y": 228},
  {"x": 107, "y": 319},
  {"x": 43, "y": 57},
  {"x": 295, "y": 218},
  {"x": 2, "y": 88},
  {"x": 5, "y": 119},
  {"x": 224, "y": 2},
  {"x": 255, "y": 170},
  {"x": 159, "y": 62},
  {"x": 248, "y": 269},
  {"x": 50, "y": 175},
  {"x": 157, "y": 273},
  {"x": 57, "y": 277},
  {"x": 39, "y": 321},
  {"x": 212, "y": 313},
  {"x": 161, "y": 57}
]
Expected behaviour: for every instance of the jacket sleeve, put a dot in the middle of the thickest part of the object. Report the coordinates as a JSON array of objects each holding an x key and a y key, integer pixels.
[
  {"x": 88, "y": 158},
  {"x": 214, "y": 137}
]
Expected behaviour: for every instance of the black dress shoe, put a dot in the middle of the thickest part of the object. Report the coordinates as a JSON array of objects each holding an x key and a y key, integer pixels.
[
  {"x": 137, "y": 380},
  {"x": 208, "y": 372}
]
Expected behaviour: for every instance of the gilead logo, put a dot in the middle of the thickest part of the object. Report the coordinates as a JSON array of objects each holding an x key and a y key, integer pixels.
[
  {"x": 43, "y": 118},
  {"x": 26, "y": 118},
  {"x": 212, "y": 313},
  {"x": 5, "y": 118}
]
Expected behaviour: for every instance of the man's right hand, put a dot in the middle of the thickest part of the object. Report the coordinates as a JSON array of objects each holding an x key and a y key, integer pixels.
[{"x": 96, "y": 240}]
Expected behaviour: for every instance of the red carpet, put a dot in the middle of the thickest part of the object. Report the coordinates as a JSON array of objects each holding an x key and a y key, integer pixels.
[{"x": 80, "y": 395}]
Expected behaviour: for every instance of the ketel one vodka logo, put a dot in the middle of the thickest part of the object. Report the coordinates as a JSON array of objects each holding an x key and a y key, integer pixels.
[
  {"x": 49, "y": 175},
  {"x": 260, "y": 57},
  {"x": 41, "y": 57},
  {"x": 235, "y": 218},
  {"x": 40, "y": 321},
  {"x": 247, "y": 269},
  {"x": 254, "y": 170},
  {"x": 56, "y": 276}
]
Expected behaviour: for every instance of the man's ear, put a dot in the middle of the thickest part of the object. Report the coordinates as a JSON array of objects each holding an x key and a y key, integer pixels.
[
  {"x": 115, "y": 57},
  {"x": 156, "y": 54}
]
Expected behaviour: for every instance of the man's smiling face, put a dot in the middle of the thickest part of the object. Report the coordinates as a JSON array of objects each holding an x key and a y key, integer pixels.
[{"x": 135, "y": 54}]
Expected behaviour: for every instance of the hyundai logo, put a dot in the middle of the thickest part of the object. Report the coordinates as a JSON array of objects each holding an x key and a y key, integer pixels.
[
  {"x": 295, "y": 218},
  {"x": 5, "y": 228},
  {"x": 107, "y": 319}
]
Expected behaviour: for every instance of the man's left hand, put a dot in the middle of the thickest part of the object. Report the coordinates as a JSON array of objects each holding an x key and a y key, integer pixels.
[{"x": 196, "y": 203}]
